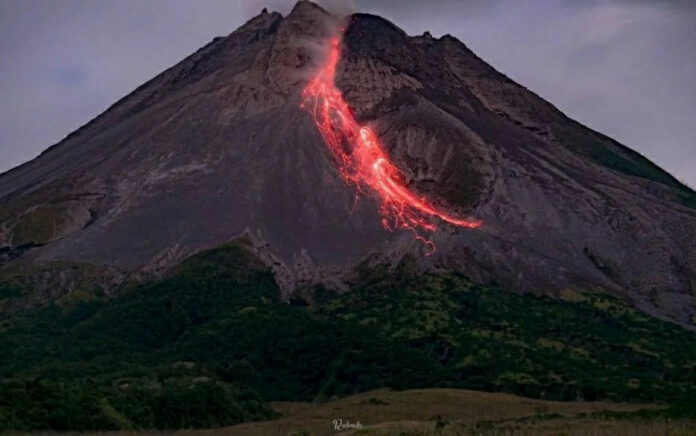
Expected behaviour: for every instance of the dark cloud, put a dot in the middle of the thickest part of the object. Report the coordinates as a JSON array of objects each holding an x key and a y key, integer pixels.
[{"x": 623, "y": 67}]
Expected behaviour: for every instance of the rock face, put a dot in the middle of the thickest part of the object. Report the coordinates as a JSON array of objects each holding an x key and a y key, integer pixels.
[{"x": 216, "y": 147}]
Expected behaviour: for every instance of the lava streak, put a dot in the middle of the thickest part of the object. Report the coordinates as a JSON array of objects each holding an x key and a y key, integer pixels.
[{"x": 362, "y": 160}]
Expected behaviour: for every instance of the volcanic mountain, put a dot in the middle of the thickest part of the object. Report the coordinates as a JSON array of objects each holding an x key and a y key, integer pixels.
[{"x": 218, "y": 148}]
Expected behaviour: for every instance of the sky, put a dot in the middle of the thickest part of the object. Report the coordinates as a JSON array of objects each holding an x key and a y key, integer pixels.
[{"x": 626, "y": 68}]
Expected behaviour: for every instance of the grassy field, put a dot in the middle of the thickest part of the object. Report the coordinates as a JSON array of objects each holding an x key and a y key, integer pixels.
[{"x": 452, "y": 412}]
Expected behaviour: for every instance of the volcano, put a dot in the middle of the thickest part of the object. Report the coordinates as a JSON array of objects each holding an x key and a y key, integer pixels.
[{"x": 221, "y": 146}]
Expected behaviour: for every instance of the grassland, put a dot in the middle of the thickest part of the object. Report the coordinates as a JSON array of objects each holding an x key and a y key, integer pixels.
[{"x": 453, "y": 412}]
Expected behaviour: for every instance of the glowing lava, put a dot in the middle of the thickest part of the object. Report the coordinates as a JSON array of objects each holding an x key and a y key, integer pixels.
[{"x": 362, "y": 160}]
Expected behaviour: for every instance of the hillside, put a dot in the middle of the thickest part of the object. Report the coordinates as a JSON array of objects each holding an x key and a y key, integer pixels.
[
  {"x": 213, "y": 344},
  {"x": 312, "y": 212},
  {"x": 217, "y": 147}
]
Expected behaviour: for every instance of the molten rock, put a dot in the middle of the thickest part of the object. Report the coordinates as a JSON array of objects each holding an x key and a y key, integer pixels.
[{"x": 216, "y": 148}]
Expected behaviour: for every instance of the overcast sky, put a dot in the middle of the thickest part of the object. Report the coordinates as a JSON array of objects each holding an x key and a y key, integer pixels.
[{"x": 624, "y": 67}]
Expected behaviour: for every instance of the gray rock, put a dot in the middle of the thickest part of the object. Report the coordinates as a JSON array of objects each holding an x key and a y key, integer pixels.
[{"x": 216, "y": 148}]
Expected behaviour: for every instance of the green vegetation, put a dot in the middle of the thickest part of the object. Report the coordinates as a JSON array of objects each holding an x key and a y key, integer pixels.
[
  {"x": 595, "y": 146},
  {"x": 688, "y": 198},
  {"x": 210, "y": 345},
  {"x": 39, "y": 226},
  {"x": 9, "y": 290},
  {"x": 78, "y": 281}
]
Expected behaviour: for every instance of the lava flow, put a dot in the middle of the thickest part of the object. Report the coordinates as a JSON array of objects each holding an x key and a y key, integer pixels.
[{"x": 362, "y": 160}]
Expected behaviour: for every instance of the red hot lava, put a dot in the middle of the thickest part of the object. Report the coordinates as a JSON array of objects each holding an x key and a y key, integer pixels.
[{"x": 362, "y": 159}]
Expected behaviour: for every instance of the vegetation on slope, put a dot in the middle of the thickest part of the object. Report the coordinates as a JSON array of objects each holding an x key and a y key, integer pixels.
[
  {"x": 609, "y": 153},
  {"x": 210, "y": 345}
]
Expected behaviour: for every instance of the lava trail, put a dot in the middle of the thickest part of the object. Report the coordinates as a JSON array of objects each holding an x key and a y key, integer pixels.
[{"x": 362, "y": 160}]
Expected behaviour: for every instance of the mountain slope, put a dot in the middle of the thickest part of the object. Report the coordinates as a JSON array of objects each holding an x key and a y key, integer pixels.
[
  {"x": 216, "y": 147},
  {"x": 213, "y": 343}
]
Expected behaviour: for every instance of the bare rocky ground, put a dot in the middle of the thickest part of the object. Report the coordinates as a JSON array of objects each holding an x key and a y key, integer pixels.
[{"x": 217, "y": 147}]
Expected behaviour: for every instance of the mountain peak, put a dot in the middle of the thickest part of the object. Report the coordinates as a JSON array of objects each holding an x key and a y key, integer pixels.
[
  {"x": 263, "y": 20},
  {"x": 217, "y": 147},
  {"x": 304, "y": 7}
]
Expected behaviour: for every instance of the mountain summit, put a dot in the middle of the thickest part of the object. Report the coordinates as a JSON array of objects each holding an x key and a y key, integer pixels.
[{"x": 217, "y": 148}]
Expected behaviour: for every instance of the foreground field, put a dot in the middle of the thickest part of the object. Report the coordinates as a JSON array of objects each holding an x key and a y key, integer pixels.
[{"x": 453, "y": 412}]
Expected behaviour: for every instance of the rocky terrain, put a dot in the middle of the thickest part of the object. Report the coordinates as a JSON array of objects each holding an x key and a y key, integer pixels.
[{"x": 216, "y": 148}]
